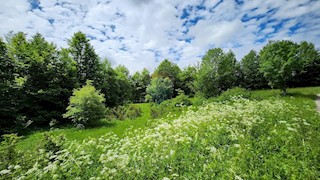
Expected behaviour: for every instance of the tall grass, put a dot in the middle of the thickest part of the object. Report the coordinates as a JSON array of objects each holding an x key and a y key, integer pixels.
[{"x": 276, "y": 138}]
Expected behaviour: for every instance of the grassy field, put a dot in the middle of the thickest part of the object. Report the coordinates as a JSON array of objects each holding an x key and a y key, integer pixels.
[
  {"x": 116, "y": 127},
  {"x": 119, "y": 127},
  {"x": 268, "y": 137}
]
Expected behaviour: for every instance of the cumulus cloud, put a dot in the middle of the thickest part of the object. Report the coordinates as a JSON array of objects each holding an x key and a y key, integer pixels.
[{"x": 141, "y": 33}]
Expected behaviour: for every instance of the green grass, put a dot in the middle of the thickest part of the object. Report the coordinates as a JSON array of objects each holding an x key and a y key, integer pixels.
[
  {"x": 304, "y": 92},
  {"x": 119, "y": 127},
  {"x": 271, "y": 137},
  {"x": 71, "y": 133}
]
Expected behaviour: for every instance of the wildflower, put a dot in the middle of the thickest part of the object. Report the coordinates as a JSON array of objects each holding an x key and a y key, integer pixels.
[
  {"x": 5, "y": 171},
  {"x": 17, "y": 167},
  {"x": 291, "y": 129}
]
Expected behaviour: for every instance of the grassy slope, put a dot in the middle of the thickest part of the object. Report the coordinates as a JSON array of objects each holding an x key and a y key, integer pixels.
[{"x": 119, "y": 127}]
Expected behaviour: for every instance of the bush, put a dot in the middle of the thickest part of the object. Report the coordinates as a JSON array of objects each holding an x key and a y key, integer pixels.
[
  {"x": 159, "y": 90},
  {"x": 123, "y": 112},
  {"x": 181, "y": 100},
  {"x": 8, "y": 154},
  {"x": 174, "y": 105},
  {"x": 234, "y": 92},
  {"x": 52, "y": 143},
  {"x": 86, "y": 105}
]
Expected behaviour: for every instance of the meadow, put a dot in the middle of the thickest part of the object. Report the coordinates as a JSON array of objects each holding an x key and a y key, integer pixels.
[{"x": 263, "y": 136}]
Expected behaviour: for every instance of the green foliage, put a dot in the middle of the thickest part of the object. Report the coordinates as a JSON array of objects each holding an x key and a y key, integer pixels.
[
  {"x": 246, "y": 139},
  {"x": 41, "y": 80},
  {"x": 120, "y": 128},
  {"x": 109, "y": 85},
  {"x": 8, "y": 154},
  {"x": 279, "y": 61},
  {"x": 162, "y": 109},
  {"x": 123, "y": 112},
  {"x": 160, "y": 89},
  {"x": 86, "y": 105},
  {"x": 140, "y": 81},
  {"x": 308, "y": 75},
  {"x": 217, "y": 73},
  {"x": 252, "y": 77},
  {"x": 8, "y": 112},
  {"x": 175, "y": 105},
  {"x": 52, "y": 143},
  {"x": 232, "y": 94},
  {"x": 167, "y": 69},
  {"x": 181, "y": 100},
  {"x": 187, "y": 77},
  {"x": 124, "y": 93},
  {"x": 88, "y": 65}
]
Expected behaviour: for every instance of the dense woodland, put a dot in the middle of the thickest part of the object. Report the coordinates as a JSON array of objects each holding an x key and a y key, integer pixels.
[{"x": 38, "y": 79}]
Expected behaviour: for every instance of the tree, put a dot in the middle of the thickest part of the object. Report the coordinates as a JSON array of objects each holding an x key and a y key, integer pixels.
[
  {"x": 43, "y": 79},
  {"x": 187, "y": 77},
  {"x": 86, "y": 105},
  {"x": 279, "y": 63},
  {"x": 167, "y": 69},
  {"x": 109, "y": 85},
  {"x": 309, "y": 74},
  {"x": 88, "y": 64},
  {"x": 124, "y": 84},
  {"x": 217, "y": 72},
  {"x": 160, "y": 89},
  {"x": 140, "y": 81},
  {"x": 8, "y": 98},
  {"x": 252, "y": 77}
]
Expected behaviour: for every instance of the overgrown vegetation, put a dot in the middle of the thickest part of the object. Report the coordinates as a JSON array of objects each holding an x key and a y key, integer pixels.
[
  {"x": 248, "y": 139},
  {"x": 123, "y": 112},
  {"x": 200, "y": 122}
]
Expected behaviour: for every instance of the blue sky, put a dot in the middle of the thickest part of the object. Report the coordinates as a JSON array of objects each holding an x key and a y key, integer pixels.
[{"x": 141, "y": 33}]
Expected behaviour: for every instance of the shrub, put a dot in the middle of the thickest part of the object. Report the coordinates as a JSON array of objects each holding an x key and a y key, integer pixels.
[
  {"x": 181, "y": 100},
  {"x": 123, "y": 112},
  {"x": 174, "y": 105},
  {"x": 231, "y": 93},
  {"x": 159, "y": 90},
  {"x": 86, "y": 105},
  {"x": 133, "y": 112},
  {"x": 52, "y": 143},
  {"x": 8, "y": 152}
]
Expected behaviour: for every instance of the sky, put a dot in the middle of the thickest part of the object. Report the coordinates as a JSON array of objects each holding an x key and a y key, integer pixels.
[{"x": 142, "y": 33}]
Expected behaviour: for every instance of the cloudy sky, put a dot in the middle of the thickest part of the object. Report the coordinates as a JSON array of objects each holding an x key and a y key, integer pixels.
[{"x": 141, "y": 33}]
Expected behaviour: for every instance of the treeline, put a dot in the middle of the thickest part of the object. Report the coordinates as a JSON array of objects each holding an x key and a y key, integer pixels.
[{"x": 37, "y": 78}]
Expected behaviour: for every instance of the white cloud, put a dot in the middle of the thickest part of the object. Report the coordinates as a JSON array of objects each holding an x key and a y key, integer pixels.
[{"x": 152, "y": 30}]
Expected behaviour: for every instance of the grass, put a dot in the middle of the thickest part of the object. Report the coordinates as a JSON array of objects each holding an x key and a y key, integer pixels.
[
  {"x": 117, "y": 127},
  {"x": 273, "y": 137},
  {"x": 304, "y": 92}
]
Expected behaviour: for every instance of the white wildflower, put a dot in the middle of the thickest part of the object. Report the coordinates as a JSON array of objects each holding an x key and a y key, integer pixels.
[{"x": 5, "y": 171}]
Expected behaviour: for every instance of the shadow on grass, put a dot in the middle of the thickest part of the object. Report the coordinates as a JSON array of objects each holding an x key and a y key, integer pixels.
[
  {"x": 96, "y": 125},
  {"x": 299, "y": 95},
  {"x": 102, "y": 123}
]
